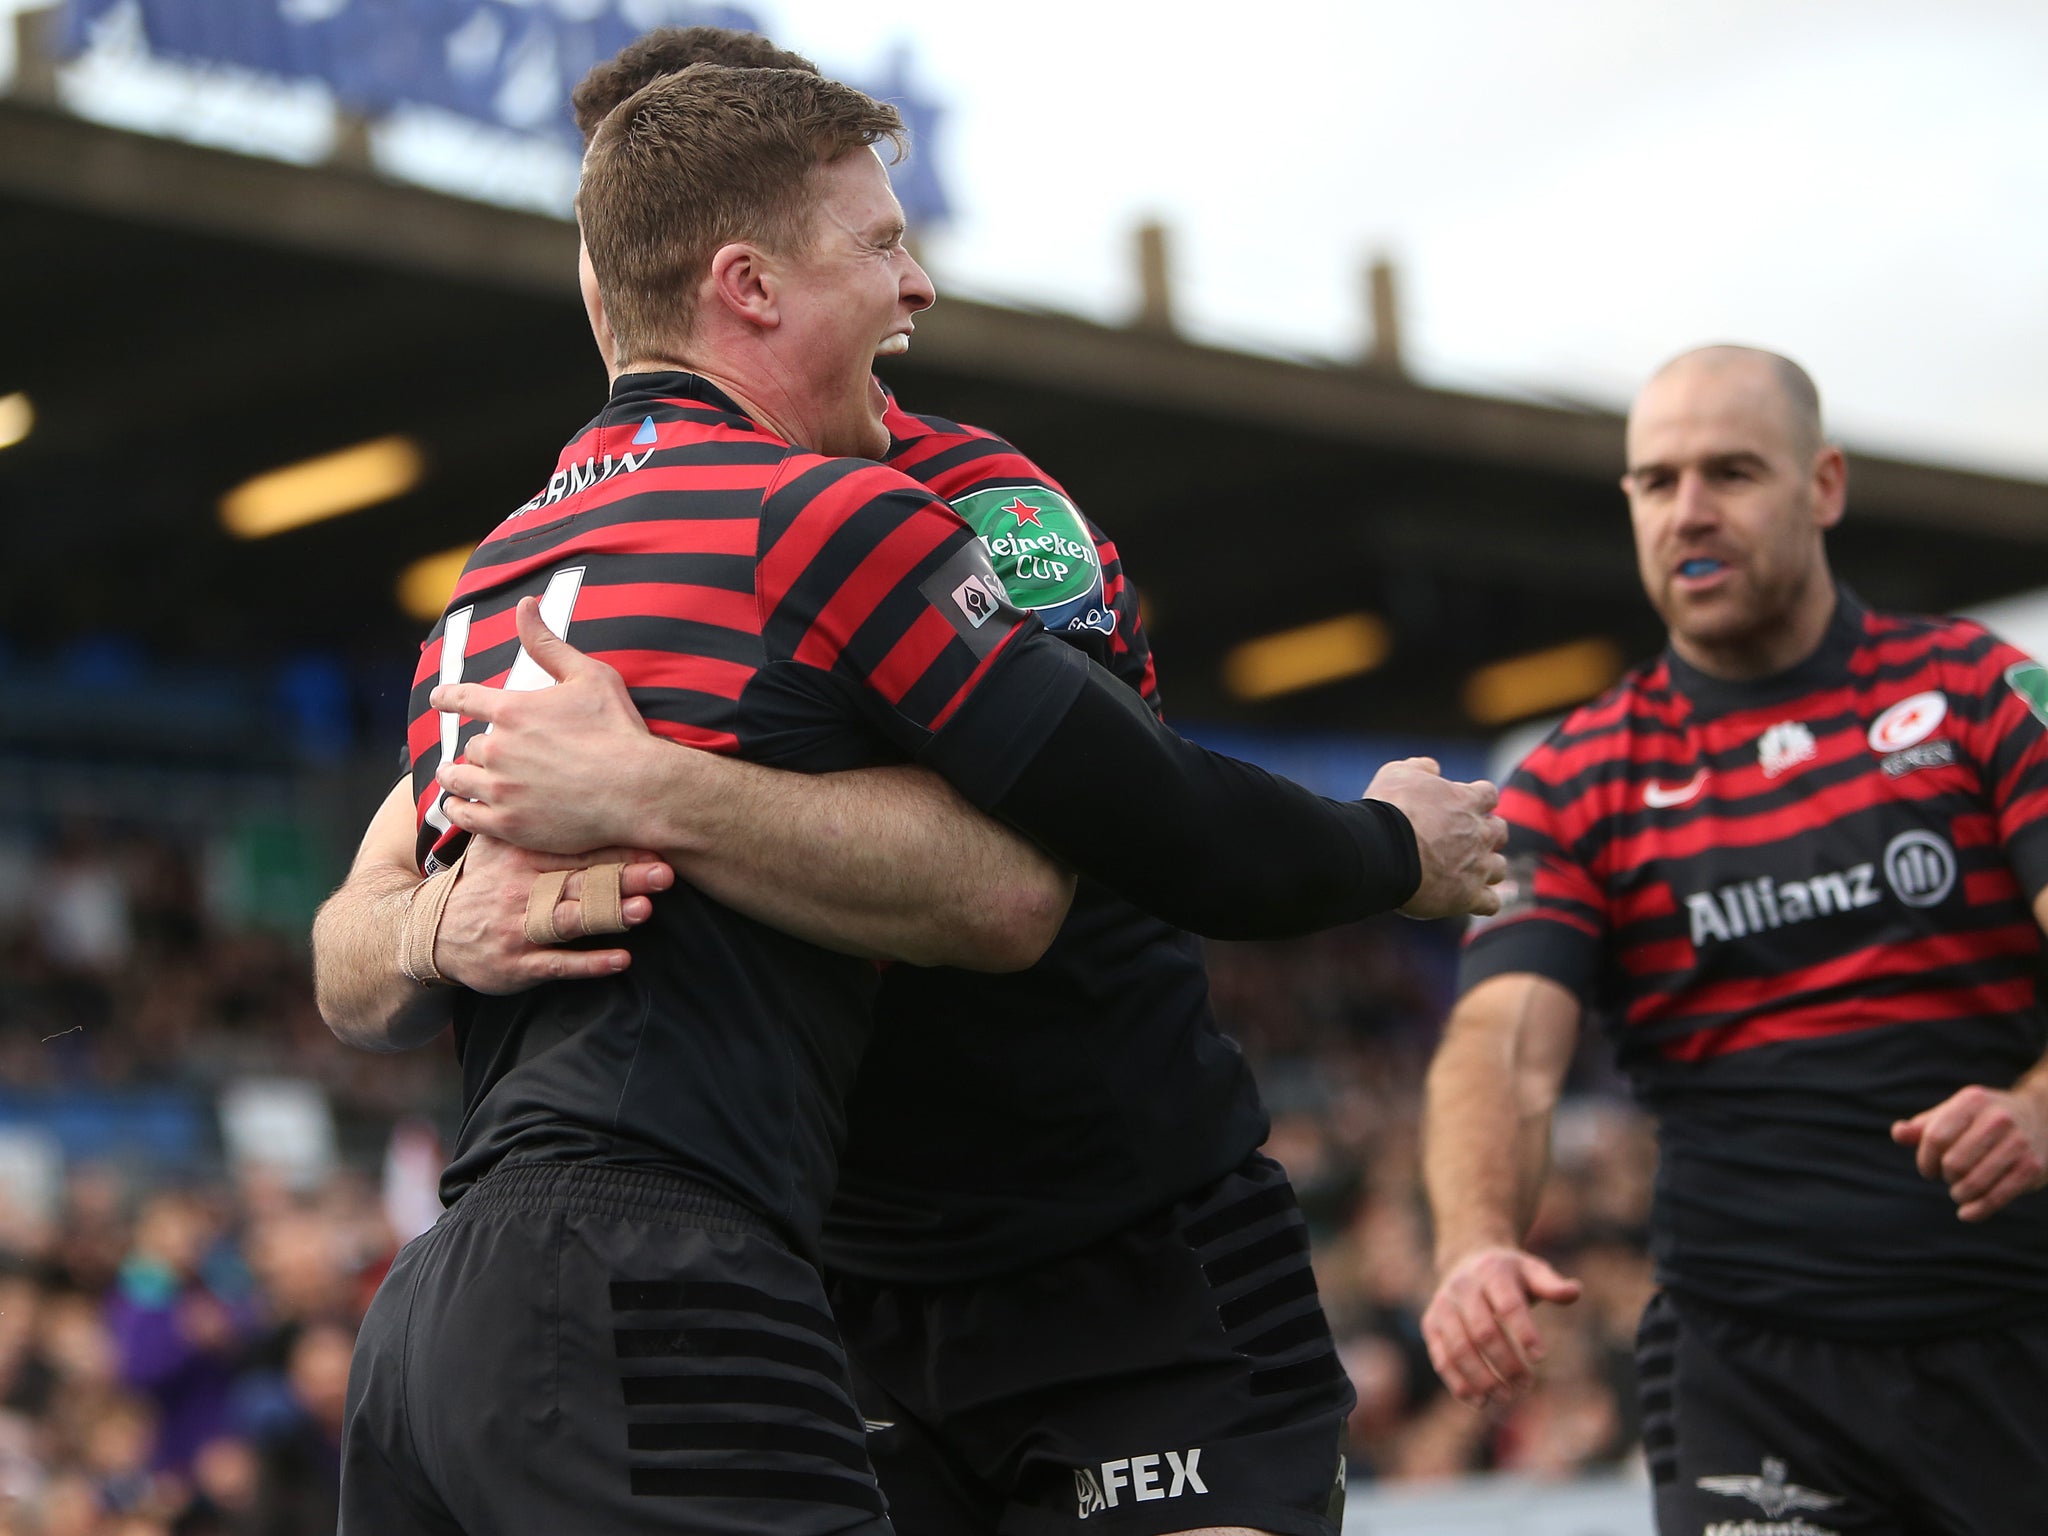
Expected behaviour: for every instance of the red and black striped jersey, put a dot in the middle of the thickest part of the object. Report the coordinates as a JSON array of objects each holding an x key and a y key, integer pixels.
[
  {"x": 1095, "y": 1088},
  {"x": 1802, "y": 907},
  {"x": 807, "y": 612}
]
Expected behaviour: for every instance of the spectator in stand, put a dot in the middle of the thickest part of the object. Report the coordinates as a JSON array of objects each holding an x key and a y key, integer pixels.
[{"x": 178, "y": 1340}]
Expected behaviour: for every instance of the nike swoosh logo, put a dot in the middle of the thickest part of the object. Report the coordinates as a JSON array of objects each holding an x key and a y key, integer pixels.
[{"x": 1662, "y": 797}]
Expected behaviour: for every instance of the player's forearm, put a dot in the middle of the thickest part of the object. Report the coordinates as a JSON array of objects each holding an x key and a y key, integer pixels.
[
  {"x": 1483, "y": 1155},
  {"x": 2033, "y": 1085},
  {"x": 886, "y": 862},
  {"x": 364, "y": 997},
  {"x": 1210, "y": 844}
]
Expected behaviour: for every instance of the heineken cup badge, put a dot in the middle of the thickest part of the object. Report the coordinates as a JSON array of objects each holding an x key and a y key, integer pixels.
[{"x": 1044, "y": 553}]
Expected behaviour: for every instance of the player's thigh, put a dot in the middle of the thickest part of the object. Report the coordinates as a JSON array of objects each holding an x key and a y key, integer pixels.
[
  {"x": 384, "y": 1490},
  {"x": 598, "y": 1365},
  {"x": 1749, "y": 1430},
  {"x": 930, "y": 1491},
  {"x": 1975, "y": 1431}
]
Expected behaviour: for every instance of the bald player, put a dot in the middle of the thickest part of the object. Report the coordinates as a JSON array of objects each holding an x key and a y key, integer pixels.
[{"x": 1796, "y": 866}]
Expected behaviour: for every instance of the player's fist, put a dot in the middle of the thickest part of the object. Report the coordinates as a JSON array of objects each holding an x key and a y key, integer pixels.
[
  {"x": 1480, "y": 1328},
  {"x": 482, "y": 940},
  {"x": 1456, "y": 832},
  {"x": 1989, "y": 1145}
]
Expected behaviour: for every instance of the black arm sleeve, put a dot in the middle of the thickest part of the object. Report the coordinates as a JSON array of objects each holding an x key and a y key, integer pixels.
[{"x": 1208, "y": 843}]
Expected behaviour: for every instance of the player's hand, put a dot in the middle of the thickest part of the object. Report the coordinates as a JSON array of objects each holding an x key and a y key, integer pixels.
[
  {"x": 1989, "y": 1146},
  {"x": 1480, "y": 1331},
  {"x": 482, "y": 940},
  {"x": 563, "y": 768},
  {"x": 1456, "y": 832}
]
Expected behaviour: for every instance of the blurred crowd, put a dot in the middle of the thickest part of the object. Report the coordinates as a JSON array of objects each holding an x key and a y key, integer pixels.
[
  {"x": 173, "y": 1361},
  {"x": 175, "y": 1334},
  {"x": 175, "y": 1329},
  {"x": 128, "y": 961}
]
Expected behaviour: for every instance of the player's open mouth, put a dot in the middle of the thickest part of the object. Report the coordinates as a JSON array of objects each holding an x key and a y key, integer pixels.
[
  {"x": 1700, "y": 570},
  {"x": 894, "y": 345}
]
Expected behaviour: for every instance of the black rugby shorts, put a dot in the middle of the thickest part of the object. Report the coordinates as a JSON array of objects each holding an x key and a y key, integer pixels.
[
  {"x": 583, "y": 1349},
  {"x": 1179, "y": 1374},
  {"x": 1749, "y": 1431}
]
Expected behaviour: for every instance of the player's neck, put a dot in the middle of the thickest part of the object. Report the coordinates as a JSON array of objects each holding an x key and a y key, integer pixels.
[
  {"x": 739, "y": 390},
  {"x": 1773, "y": 650}
]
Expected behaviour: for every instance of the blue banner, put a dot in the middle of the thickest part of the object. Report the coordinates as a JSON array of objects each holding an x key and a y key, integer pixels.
[{"x": 510, "y": 63}]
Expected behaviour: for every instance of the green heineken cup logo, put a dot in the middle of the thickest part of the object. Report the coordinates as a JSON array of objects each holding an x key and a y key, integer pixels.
[
  {"x": 2028, "y": 679},
  {"x": 1037, "y": 543}
]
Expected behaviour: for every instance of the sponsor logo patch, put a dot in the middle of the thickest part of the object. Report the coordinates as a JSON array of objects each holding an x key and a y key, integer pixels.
[
  {"x": 2029, "y": 679},
  {"x": 1769, "y": 1491},
  {"x": 1661, "y": 797},
  {"x": 1785, "y": 745},
  {"x": 1751, "y": 906},
  {"x": 1137, "y": 1479},
  {"x": 1087, "y": 1493},
  {"x": 1041, "y": 548},
  {"x": 1909, "y": 722},
  {"x": 966, "y": 591},
  {"x": 978, "y": 599},
  {"x": 1939, "y": 753},
  {"x": 1921, "y": 868}
]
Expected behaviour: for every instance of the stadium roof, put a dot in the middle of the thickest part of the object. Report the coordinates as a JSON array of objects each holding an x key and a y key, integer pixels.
[{"x": 184, "y": 318}]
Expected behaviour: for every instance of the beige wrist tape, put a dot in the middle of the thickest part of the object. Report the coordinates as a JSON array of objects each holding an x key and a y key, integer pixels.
[
  {"x": 602, "y": 909},
  {"x": 424, "y": 909}
]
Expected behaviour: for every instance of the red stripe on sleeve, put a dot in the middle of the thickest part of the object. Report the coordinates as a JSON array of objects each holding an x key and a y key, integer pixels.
[
  {"x": 973, "y": 680},
  {"x": 822, "y": 516},
  {"x": 697, "y": 736},
  {"x": 912, "y": 656},
  {"x": 889, "y": 565},
  {"x": 1660, "y": 956}
]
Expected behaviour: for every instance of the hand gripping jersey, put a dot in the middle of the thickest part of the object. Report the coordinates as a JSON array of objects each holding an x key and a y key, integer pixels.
[
  {"x": 1802, "y": 908},
  {"x": 1000, "y": 1120},
  {"x": 807, "y": 612}
]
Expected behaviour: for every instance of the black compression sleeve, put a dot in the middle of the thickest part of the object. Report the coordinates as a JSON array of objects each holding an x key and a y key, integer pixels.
[{"x": 1208, "y": 843}]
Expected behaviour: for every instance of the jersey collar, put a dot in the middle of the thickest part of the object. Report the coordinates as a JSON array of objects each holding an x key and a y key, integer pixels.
[
  {"x": 1828, "y": 663},
  {"x": 674, "y": 384}
]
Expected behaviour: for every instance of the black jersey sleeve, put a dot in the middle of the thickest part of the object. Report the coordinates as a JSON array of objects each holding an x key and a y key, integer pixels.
[
  {"x": 1553, "y": 916},
  {"x": 1205, "y": 842},
  {"x": 1130, "y": 648},
  {"x": 2004, "y": 718}
]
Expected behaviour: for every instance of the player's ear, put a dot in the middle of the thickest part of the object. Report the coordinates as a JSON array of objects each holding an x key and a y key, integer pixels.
[
  {"x": 1830, "y": 486},
  {"x": 743, "y": 283}
]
